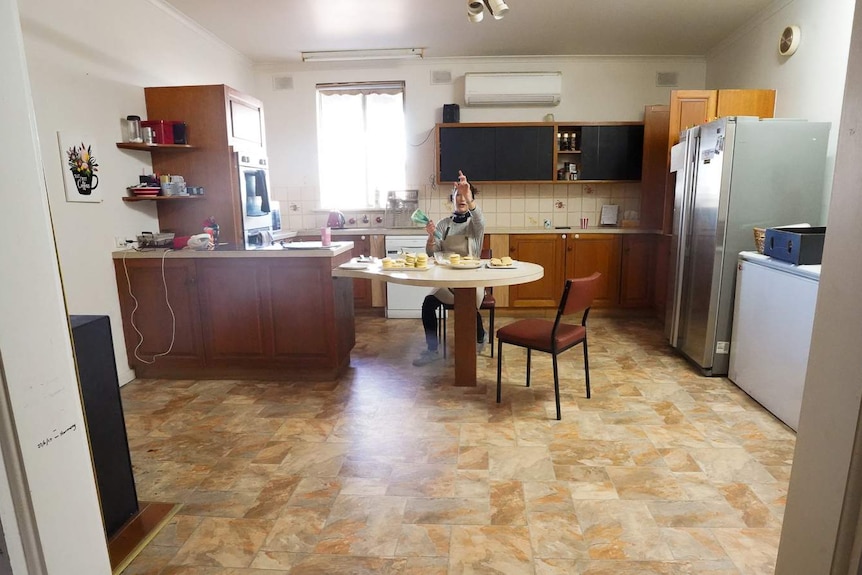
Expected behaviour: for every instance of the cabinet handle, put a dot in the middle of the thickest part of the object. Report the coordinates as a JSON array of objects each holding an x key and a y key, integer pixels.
[{"x": 563, "y": 236}]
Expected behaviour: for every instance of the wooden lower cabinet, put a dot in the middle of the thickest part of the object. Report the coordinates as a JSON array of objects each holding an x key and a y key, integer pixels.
[
  {"x": 589, "y": 253},
  {"x": 362, "y": 291},
  {"x": 564, "y": 256},
  {"x": 637, "y": 271},
  {"x": 269, "y": 318},
  {"x": 158, "y": 318},
  {"x": 547, "y": 250},
  {"x": 361, "y": 288}
]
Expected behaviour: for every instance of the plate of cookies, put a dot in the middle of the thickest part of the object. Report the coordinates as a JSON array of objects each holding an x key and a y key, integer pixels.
[
  {"x": 504, "y": 263},
  {"x": 459, "y": 262}
]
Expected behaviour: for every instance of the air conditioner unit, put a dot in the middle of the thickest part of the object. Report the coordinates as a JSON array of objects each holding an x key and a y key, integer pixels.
[{"x": 513, "y": 88}]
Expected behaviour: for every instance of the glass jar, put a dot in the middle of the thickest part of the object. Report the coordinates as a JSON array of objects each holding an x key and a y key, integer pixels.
[{"x": 132, "y": 129}]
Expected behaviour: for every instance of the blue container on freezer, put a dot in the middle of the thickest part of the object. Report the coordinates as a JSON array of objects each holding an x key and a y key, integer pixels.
[{"x": 799, "y": 246}]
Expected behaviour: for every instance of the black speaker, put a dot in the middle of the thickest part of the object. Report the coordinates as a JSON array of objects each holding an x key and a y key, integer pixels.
[
  {"x": 106, "y": 427},
  {"x": 451, "y": 113}
]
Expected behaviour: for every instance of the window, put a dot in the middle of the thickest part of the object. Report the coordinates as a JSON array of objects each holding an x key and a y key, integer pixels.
[{"x": 361, "y": 143}]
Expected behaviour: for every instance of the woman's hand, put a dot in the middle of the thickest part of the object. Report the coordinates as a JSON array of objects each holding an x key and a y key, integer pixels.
[
  {"x": 431, "y": 227},
  {"x": 463, "y": 187}
]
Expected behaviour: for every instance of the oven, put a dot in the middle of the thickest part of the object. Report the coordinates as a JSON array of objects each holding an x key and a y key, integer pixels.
[
  {"x": 404, "y": 301},
  {"x": 255, "y": 201}
]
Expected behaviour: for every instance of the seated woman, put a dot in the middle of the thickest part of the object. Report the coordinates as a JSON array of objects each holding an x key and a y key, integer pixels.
[{"x": 463, "y": 233}]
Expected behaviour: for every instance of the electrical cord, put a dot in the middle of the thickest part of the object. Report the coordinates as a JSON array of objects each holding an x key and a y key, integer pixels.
[{"x": 135, "y": 309}]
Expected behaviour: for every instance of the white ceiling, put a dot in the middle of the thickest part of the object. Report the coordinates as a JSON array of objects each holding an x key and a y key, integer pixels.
[{"x": 271, "y": 31}]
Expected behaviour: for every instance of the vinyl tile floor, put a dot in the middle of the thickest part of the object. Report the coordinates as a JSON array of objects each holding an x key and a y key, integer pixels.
[{"x": 391, "y": 469}]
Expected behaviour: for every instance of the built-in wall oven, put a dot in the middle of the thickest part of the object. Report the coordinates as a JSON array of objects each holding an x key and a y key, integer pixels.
[{"x": 255, "y": 201}]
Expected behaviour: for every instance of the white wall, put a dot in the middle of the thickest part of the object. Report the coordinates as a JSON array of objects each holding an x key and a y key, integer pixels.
[
  {"x": 595, "y": 89},
  {"x": 87, "y": 72},
  {"x": 36, "y": 347},
  {"x": 810, "y": 83},
  {"x": 825, "y": 480}
]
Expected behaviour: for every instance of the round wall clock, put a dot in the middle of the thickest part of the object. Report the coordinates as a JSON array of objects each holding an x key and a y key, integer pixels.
[{"x": 789, "y": 41}]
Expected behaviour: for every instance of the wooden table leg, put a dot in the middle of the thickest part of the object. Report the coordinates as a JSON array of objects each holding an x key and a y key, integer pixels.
[{"x": 465, "y": 337}]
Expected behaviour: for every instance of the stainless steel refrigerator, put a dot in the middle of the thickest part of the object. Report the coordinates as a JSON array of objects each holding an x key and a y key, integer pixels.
[{"x": 733, "y": 174}]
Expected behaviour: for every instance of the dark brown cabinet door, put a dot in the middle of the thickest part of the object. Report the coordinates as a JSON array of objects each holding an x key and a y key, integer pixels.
[
  {"x": 235, "y": 310},
  {"x": 638, "y": 265},
  {"x": 361, "y": 288},
  {"x": 159, "y": 316},
  {"x": 548, "y": 251},
  {"x": 589, "y": 253}
]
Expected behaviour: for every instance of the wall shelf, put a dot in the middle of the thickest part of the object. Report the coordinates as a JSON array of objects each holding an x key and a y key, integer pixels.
[
  {"x": 158, "y": 198},
  {"x": 154, "y": 147}
]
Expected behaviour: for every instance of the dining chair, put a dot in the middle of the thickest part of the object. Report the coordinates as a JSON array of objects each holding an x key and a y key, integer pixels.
[
  {"x": 488, "y": 302},
  {"x": 553, "y": 336}
]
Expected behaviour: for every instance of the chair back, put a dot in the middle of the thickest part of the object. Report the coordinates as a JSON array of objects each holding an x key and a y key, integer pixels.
[{"x": 578, "y": 294}]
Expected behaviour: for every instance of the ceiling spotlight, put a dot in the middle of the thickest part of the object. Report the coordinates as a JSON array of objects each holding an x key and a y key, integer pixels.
[
  {"x": 475, "y": 10},
  {"x": 497, "y": 8}
]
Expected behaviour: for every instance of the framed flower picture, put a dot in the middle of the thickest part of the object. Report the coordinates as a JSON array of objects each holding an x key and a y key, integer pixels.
[{"x": 80, "y": 167}]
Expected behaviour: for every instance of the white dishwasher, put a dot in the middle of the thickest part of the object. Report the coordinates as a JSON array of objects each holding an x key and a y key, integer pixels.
[{"x": 404, "y": 301}]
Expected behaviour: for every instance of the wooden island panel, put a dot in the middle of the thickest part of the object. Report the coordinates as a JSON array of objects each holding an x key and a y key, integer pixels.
[{"x": 256, "y": 318}]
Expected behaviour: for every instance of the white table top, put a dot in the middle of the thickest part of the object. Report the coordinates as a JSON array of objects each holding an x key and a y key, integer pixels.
[{"x": 445, "y": 276}]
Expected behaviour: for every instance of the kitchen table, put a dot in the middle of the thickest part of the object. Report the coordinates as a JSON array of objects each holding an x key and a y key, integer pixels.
[{"x": 463, "y": 282}]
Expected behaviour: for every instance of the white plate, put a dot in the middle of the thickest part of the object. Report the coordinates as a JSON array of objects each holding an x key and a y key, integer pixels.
[
  {"x": 512, "y": 266},
  {"x": 468, "y": 265},
  {"x": 354, "y": 266}
]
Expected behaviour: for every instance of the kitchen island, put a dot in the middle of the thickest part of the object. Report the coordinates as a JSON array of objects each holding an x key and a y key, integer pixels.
[{"x": 255, "y": 314}]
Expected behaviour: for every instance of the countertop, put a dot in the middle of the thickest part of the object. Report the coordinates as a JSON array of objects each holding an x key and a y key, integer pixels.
[
  {"x": 276, "y": 251},
  {"x": 417, "y": 231}
]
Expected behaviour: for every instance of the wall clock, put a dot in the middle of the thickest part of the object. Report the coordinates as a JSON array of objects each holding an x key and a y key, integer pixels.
[{"x": 789, "y": 41}]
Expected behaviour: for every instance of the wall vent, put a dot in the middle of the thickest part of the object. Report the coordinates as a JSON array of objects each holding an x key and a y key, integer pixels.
[
  {"x": 666, "y": 79},
  {"x": 441, "y": 77},
  {"x": 282, "y": 82}
]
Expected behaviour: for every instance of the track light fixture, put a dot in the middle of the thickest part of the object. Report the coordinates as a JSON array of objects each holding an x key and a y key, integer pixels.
[{"x": 475, "y": 9}]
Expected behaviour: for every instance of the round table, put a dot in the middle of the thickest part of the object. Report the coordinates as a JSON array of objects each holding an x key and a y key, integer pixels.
[{"x": 463, "y": 282}]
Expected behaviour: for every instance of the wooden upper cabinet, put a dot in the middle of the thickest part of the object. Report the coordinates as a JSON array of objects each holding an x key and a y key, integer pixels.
[
  {"x": 694, "y": 107},
  {"x": 655, "y": 170},
  {"x": 246, "y": 121},
  {"x": 489, "y": 153},
  {"x": 219, "y": 120}
]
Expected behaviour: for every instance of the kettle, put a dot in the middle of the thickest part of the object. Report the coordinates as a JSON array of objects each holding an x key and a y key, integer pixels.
[{"x": 336, "y": 220}]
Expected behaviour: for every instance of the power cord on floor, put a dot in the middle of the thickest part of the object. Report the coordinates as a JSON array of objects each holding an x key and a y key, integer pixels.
[{"x": 134, "y": 309}]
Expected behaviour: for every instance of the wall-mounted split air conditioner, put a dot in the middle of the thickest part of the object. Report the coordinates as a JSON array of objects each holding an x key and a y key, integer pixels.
[{"x": 513, "y": 88}]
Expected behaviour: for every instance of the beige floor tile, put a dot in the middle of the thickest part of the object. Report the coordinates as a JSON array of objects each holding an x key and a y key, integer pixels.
[{"x": 392, "y": 470}]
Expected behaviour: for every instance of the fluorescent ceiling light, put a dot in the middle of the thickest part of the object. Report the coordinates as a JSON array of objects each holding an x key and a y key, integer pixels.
[{"x": 346, "y": 55}]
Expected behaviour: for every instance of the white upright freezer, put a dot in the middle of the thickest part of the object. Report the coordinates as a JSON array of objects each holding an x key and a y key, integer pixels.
[{"x": 772, "y": 321}]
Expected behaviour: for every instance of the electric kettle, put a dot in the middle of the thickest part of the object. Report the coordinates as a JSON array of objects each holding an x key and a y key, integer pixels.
[{"x": 336, "y": 220}]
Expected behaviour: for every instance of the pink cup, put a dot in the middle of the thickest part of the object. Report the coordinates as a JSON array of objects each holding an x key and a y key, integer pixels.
[{"x": 585, "y": 223}]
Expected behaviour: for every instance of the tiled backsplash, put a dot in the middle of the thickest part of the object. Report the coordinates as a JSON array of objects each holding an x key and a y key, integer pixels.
[{"x": 504, "y": 205}]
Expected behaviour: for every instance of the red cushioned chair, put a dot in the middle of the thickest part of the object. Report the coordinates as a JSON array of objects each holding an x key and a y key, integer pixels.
[
  {"x": 553, "y": 337},
  {"x": 488, "y": 302}
]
